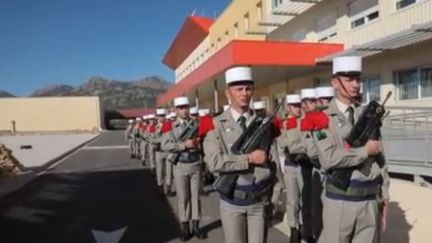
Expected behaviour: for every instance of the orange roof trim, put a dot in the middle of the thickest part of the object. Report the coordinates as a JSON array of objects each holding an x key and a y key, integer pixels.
[
  {"x": 194, "y": 30},
  {"x": 255, "y": 53}
]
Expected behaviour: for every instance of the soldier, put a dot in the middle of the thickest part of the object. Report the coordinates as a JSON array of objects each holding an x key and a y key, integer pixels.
[
  {"x": 173, "y": 116},
  {"x": 136, "y": 137},
  {"x": 290, "y": 142},
  {"x": 150, "y": 132},
  {"x": 243, "y": 212},
  {"x": 163, "y": 172},
  {"x": 260, "y": 108},
  {"x": 204, "y": 118},
  {"x": 324, "y": 95},
  {"x": 129, "y": 137},
  {"x": 143, "y": 142},
  {"x": 349, "y": 214},
  {"x": 187, "y": 171},
  {"x": 309, "y": 106},
  {"x": 193, "y": 113}
]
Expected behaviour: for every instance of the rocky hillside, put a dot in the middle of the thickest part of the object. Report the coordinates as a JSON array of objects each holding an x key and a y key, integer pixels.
[
  {"x": 4, "y": 94},
  {"x": 53, "y": 90},
  {"x": 114, "y": 93}
]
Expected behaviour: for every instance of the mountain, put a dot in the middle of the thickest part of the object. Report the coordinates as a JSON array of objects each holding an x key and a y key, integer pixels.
[
  {"x": 114, "y": 94},
  {"x": 5, "y": 94},
  {"x": 53, "y": 90}
]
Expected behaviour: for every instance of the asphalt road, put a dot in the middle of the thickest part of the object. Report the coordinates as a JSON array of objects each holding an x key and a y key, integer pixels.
[{"x": 98, "y": 194}]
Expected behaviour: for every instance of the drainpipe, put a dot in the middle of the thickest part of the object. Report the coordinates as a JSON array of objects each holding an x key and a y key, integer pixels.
[{"x": 216, "y": 97}]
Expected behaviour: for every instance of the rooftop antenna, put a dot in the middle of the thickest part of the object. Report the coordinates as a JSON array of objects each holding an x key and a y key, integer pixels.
[{"x": 193, "y": 12}]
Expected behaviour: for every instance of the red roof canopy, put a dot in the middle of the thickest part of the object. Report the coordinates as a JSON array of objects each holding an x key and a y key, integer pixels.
[
  {"x": 191, "y": 34},
  {"x": 255, "y": 53}
]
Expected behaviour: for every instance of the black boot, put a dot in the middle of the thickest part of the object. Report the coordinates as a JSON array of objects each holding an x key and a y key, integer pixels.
[
  {"x": 169, "y": 192},
  {"x": 161, "y": 191},
  {"x": 184, "y": 231},
  {"x": 295, "y": 236},
  {"x": 197, "y": 231}
]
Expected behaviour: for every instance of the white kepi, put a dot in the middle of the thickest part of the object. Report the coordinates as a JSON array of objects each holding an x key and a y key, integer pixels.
[
  {"x": 322, "y": 92},
  {"x": 308, "y": 94},
  {"x": 179, "y": 101},
  {"x": 293, "y": 99},
  {"x": 347, "y": 65},
  {"x": 259, "y": 105},
  {"x": 238, "y": 74}
]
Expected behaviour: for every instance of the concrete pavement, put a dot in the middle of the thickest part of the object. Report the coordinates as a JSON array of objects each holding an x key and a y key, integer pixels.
[
  {"x": 42, "y": 150},
  {"x": 98, "y": 194},
  {"x": 44, "y": 147}
]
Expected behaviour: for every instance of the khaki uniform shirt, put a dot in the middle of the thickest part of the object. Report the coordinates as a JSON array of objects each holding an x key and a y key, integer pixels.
[
  {"x": 334, "y": 154},
  {"x": 219, "y": 158}
]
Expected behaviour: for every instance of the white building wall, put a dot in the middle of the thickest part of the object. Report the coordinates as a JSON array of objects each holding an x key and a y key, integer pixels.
[{"x": 194, "y": 60}]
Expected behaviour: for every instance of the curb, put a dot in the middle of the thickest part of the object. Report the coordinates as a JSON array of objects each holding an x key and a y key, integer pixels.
[{"x": 10, "y": 185}]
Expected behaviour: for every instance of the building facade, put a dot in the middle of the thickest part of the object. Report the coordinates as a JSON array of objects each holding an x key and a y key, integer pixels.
[{"x": 290, "y": 45}]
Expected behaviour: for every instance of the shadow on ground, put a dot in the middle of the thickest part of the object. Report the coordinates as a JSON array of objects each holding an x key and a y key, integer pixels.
[
  {"x": 65, "y": 207},
  {"x": 397, "y": 226}
]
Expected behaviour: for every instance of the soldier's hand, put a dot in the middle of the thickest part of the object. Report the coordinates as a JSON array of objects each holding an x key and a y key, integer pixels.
[
  {"x": 257, "y": 157},
  {"x": 373, "y": 147},
  {"x": 190, "y": 143}
]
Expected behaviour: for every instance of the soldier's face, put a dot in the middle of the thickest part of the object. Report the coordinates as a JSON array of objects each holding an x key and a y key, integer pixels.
[
  {"x": 309, "y": 105},
  {"x": 294, "y": 109},
  {"x": 346, "y": 87},
  {"x": 161, "y": 118},
  {"x": 182, "y": 111},
  {"x": 240, "y": 95}
]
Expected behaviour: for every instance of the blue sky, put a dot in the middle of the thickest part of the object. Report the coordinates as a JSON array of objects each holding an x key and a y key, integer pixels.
[{"x": 67, "y": 41}]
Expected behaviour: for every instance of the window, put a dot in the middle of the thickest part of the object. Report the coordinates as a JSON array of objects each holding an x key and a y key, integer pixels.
[
  {"x": 236, "y": 31},
  {"x": 226, "y": 36},
  {"x": 246, "y": 22},
  {"x": 371, "y": 88},
  {"x": 407, "y": 84},
  {"x": 277, "y": 3},
  {"x": 362, "y": 12},
  {"x": 414, "y": 83},
  {"x": 219, "y": 43},
  {"x": 404, "y": 3},
  {"x": 326, "y": 27},
  {"x": 426, "y": 82}
]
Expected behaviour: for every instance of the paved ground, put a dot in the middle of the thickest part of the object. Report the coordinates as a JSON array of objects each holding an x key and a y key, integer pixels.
[
  {"x": 99, "y": 192},
  {"x": 44, "y": 147},
  {"x": 98, "y": 188}
]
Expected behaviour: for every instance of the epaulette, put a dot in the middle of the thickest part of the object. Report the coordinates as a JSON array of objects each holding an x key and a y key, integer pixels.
[
  {"x": 166, "y": 127},
  {"x": 290, "y": 123},
  {"x": 152, "y": 128},
  {"x": 205, "y": 125}
]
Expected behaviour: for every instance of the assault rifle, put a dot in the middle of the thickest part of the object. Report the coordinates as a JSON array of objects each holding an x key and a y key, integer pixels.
[
  {"x": 367, "y": 127},
  {"x": 258, "y": 135},
  {"x": 188, "y": 133}
]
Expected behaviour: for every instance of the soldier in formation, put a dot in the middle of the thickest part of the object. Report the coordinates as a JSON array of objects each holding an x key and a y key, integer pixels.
[{"x": 310, "y": 149}]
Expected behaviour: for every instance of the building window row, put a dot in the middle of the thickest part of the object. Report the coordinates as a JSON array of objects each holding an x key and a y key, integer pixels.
[
  {"x": 415, "y": 83},
  {"x": 405, "y": 3}
]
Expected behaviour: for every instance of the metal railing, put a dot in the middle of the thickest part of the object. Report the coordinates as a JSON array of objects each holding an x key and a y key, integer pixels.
[{"x": 407, "y": 135}]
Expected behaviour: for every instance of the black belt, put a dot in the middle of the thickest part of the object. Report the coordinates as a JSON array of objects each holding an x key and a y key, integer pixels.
[{"x": 188, "y": 158}]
